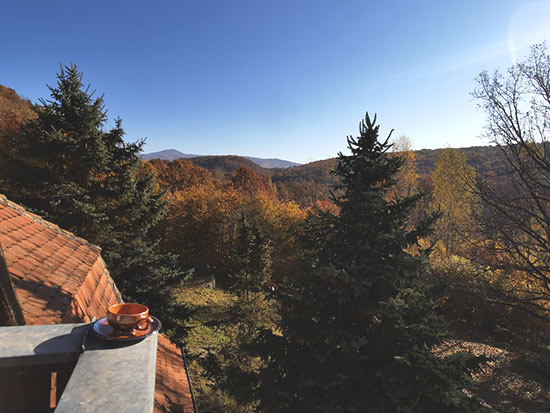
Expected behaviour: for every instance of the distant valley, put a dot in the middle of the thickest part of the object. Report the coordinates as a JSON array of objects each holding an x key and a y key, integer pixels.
[{"x": 305, "y": 184}]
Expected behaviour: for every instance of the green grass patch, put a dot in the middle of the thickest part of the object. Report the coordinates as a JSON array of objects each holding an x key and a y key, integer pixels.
[{"x": 210, "y": 308}]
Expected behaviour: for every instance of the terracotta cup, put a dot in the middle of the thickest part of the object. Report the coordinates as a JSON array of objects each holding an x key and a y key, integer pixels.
[{"x": 128, "y": 316}]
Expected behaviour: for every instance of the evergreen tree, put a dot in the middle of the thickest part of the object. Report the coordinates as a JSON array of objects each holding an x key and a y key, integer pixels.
[
  {"x": 359, "y": 331},
  {"x": 252, "y": 256},
  {"x": 63, "y": 165}
]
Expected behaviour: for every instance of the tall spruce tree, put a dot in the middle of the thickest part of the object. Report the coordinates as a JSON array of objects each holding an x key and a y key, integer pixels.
[
  {"x": 252, "y": 260},
  {"x": 63, "y": 165},
  {"x": 359, "y": 330}
]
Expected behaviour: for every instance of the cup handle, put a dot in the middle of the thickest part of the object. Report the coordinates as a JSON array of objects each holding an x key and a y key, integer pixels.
[{"x": 144, "y": 324}]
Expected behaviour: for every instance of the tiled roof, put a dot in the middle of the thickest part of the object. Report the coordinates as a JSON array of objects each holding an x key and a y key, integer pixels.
[
  {"x": 53, "y": 271},
  {"x": 59, "y": 278}
]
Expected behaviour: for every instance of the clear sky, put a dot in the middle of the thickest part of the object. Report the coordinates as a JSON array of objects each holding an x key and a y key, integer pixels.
[{"x": 282, "y": 78}]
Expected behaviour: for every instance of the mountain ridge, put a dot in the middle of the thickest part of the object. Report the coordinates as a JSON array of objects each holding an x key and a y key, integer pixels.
[{"x": 173, "y": 154}]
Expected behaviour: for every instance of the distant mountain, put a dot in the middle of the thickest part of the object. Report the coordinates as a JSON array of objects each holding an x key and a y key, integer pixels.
[
  {"x": 167, "y": 155},
  {"x": 272, "y": 162},
  {"x": 173, "y": 154}
]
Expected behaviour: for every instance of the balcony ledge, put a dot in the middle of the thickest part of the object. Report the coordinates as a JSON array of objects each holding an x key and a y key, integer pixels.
[{"x": 107, "y": 376}]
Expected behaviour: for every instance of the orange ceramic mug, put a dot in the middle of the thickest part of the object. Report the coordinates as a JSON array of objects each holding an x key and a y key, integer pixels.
[{"x": 128, "y": 316}]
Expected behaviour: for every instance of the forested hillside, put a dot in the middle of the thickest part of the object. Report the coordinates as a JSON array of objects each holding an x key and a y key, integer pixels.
[
  {"x": 222, "y": 167},
  {"x": 484, "y": 158},
  {"x": 13, "y": 108},
  {"x": 312, "y": 182}
]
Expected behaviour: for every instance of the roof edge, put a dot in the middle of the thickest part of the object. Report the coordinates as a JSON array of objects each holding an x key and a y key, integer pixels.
[
  {"x": 15, "y": 315},
  {"x": 107, "y": 274},
  {"x": 38, "y": 219},
  {"x": 186, "y": 368}
]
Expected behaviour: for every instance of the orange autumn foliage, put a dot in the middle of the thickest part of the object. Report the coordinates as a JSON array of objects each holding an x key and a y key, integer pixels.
[
  {"x": 180, "y": 174},
  {"x": 201, "y": 226}
]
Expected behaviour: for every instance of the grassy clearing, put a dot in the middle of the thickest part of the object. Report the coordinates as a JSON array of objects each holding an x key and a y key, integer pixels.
[
  {"x": 211, "y": 331},
  {"x": 209, "y": 308}
]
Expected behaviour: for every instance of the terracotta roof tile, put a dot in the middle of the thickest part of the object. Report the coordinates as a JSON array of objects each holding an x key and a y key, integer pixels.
[
  {"x": 171, "y": 380},
  {"x": 60, "y": 278},
  {"x": 16, "y": 271}
]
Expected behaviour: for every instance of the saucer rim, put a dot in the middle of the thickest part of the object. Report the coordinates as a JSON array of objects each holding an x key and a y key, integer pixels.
[{"x": 115, "y": 338}]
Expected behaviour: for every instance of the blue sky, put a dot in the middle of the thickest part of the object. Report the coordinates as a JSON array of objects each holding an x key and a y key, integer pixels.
[{"x": 286, "y": 79}]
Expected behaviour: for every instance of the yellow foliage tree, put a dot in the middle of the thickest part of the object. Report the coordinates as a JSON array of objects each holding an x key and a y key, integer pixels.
[
  {"x": 453, "y": 197},
  {"x": 280, "y": 222},
  {"x": 406, "y": 177}
]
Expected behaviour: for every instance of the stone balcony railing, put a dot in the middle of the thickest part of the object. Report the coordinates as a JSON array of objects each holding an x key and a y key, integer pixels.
[{"x": 63, "y": 368}]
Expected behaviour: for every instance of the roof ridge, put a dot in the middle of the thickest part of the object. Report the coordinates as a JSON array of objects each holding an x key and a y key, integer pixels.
[
  {"x": 38, "y": 219},
  {"x": 110, "y": 279}
]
